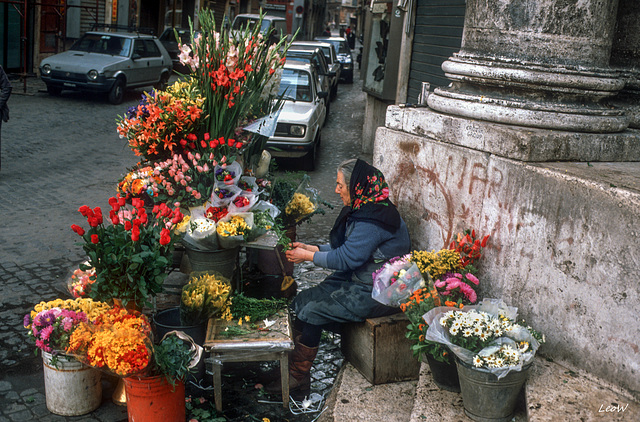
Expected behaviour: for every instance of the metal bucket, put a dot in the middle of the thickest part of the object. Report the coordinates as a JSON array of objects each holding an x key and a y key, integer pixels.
[
  {"x": 71, "y": 388},
  {"x": 487, "y": 398},
  {"x": 221, "y": 261}
]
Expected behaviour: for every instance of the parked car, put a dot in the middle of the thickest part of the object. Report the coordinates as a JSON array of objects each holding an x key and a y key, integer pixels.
[
  {"x": 315, "y": 57},
  {"x": 331, "y": 58},
  {"x": 273, "y": 26},
  {"x": 170, "y": 43},
  {"x": 108, "y": 62},
  {"x": 344, "y": 56},
  {"x": 298, "y": 131}
]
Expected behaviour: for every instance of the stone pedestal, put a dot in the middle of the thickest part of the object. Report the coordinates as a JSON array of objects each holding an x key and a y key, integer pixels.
[{"x": 541, "y": 64}]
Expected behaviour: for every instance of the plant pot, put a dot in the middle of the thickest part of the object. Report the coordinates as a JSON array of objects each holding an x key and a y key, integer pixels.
[
  {"x": 445, "y": 375},
  {"x": 169, "y": 320},
  {"x": 154, "y": 399},
  {"x": 274, "y": 262},
  {"x": 487, "y": 398},
  {"x": 71, "y": 388}
]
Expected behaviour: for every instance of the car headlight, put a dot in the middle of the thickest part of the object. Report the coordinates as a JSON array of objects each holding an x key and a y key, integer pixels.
[
  {"x": 92, "y": 74},
  {"x": 347, "y": 59},
  {"x": 297, "y": 130},
  {"x": 46, "y": 69}
]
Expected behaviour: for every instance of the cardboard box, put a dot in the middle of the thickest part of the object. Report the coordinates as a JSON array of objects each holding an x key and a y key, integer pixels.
[{"x": 379, "y": 349}]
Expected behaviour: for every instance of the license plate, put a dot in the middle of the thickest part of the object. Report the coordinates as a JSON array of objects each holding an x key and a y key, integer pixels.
[{"x": 69, "y": 84}]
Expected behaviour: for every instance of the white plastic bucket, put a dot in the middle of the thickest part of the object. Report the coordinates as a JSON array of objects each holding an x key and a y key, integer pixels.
[{"x": 71, "y": 388}]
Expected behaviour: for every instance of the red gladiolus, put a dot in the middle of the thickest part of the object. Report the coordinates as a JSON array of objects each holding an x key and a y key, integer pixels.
[
  {"x": 94, "y": 239},
  {"x": 77, "y": 229}
]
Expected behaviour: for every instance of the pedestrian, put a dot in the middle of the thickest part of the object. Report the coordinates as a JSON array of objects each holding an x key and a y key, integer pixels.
[
  {"x": 368, "y": 232},
  {"x": 351, "y": 38},
  {"x": 327, "y": 32},
  {"x": 5, "y": 93}
]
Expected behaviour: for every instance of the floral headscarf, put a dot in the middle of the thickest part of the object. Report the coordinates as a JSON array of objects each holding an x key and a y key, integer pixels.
[{"x": 369, "y": 202}]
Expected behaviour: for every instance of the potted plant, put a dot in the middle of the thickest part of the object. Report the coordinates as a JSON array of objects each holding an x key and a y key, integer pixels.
[
  {"x": 71, "y": 388},
  {"x": 493, "y": 354},
  {"x": 131, "y": 255}
]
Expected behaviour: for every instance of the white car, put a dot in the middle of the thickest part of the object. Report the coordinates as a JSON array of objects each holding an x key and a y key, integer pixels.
[
  {"x": 334, "y": 66},
  {"x": 303, "y": 114},
  {"x": 108, "y": 62}
]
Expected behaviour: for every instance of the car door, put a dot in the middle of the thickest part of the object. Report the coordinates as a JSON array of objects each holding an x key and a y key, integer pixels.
[
  {"x": 154, "y": 59},
  {"x": 136, "y": 73},
  {"x": 320, "y": 105}
]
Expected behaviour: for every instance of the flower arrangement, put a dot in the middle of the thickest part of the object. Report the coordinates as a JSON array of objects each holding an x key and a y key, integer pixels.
[
  {"x": 138, "y": 183},
  {"x": 203, "y": 297},
  {"x": 52, "y": 328},
  {"x": 299, "y": 207},
  {"x": 81, "y": 280},
  {"x": 118, "y": 341},
  {"x": 421, "y": 302},
  {"x": 394, "y": 282},
  {"x": 486, "y": 336},
  {"x": 160, "y": 124},
  {"x": 131, "y": 255},
  {"x": 236, "y": 226}
]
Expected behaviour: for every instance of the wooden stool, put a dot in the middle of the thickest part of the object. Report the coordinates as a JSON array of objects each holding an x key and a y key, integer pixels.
[{"x": 259, "y": 345}]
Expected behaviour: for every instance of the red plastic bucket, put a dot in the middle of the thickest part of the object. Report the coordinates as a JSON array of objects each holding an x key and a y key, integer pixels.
[{"x": 154, "y": 399}]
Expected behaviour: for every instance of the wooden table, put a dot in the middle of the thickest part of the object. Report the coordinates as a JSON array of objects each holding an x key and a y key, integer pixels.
[{"x": 260, "y": 344}]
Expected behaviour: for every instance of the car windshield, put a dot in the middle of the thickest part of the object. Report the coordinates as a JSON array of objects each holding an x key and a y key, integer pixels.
[
  {"x": 340, "y": 46},
  {"x": 241, "y": 22},
  {"x": 103, "y": 44},
  {"x": 295, "y": 85}
]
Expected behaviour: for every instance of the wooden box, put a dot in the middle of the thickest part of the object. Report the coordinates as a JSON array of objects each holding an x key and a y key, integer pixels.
[{"x": 379, "y": 349}]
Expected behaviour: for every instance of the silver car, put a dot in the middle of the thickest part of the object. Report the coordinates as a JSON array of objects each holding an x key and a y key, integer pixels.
[
  {"x": 108, "y": 62},
  {"x": 298, "y": 131},
  {"x": 331, "y": 58}
]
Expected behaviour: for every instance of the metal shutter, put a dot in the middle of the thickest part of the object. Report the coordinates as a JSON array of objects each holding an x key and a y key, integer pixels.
[{"x": 438, "y": 34}]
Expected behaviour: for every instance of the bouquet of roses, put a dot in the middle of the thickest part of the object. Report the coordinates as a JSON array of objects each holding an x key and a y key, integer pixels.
[
  {"x": 394, "y": 282},
  {"x": 486, "y": 336},
  {"x": 81, "y": 280}
]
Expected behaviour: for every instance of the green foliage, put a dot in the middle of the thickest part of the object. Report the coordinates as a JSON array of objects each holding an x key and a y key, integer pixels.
[
  {"x": 256, "y": 309},
  {"x": 202, "y": 410},
  {"x": 172, "y": 357}
]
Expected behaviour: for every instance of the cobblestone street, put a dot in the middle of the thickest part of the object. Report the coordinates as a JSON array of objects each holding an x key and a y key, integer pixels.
[{"x": 59, "y": 153}]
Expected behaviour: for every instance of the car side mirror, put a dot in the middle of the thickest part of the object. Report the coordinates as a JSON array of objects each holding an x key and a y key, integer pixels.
[
  {"x": 136, "y": 56},
  {"x": 331, "y": 74},
  {"x": 323, "y": 94}
]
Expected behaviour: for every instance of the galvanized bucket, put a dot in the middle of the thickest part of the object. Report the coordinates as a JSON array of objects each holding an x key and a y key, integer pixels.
[
  {"x": 71, "y": 388},
  {"x": 487, "y": 398},
  {"x": 221, "y": 261}
]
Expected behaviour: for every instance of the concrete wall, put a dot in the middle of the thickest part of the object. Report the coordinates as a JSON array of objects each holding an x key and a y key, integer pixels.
[{"x": 564, "y": 240}]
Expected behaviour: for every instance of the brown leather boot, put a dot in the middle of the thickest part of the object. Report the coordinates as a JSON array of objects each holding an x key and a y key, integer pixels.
[{"x": 300, "y": 362}]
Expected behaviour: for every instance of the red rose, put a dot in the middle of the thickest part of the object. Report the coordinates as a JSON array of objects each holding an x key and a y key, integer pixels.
[
  {"x": 84, "y": 210},
  {"x": 93, "y": 221},
  {"x": 77, "y": 229},
  {"x": 207, "y": 136},
  {"x": 192, "y": 137},
  {"x": 94, "y": 239},
  {"x": 127, "y": 225},
  {"x": 121, "y": 201},
  {"x": 135, "y": 234},
  {"x": 221, "y": 140},
  {"x": 239, "y": 145},
  {"x": 203, "y": 143},
  {"x": 165, "y": 238},
  {"x": 183, "y": 143},
  {"x": 113, "y": 202},
  {"x": 115, "y": 220},
  {"x": 212, "y": 144}
]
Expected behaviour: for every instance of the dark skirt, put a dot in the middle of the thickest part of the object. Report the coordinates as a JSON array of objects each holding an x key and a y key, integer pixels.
[{"x": 338, "y": 299}]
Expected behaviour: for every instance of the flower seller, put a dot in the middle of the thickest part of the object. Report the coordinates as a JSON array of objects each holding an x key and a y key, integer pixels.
[{"x": 368, "y": 232}]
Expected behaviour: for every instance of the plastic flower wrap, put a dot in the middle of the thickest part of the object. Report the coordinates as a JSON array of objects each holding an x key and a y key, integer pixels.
[
  {"x": 396, "y": 280},
  {"x": 118, "y": 342},
  {"x": 201, "y": 233},
  {"x": 203, "y": 297},
  {"x": 228, "y": 174},
  {"x": 80, "y": 281},
  {"x": 485, "y": 336},
  {"x": 138, "y": 183}
]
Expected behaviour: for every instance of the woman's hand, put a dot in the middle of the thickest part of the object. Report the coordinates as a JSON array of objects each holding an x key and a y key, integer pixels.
[
  {"x": 301, "y": 252},
  {"x": 304, "y": 246}
]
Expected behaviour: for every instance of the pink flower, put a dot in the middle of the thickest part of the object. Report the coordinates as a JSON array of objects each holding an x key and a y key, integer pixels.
[
  {"x": 472, "y": 278},
  {"x": 46, "y": 332},
  {"x": 440, "y": 283}
]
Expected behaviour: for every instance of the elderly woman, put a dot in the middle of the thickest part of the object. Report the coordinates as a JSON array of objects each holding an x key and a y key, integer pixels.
[{"x": 368, "y": 232}]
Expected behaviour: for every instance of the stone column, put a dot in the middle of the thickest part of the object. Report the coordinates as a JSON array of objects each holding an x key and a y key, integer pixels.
[{"x": 536, "y": 63}]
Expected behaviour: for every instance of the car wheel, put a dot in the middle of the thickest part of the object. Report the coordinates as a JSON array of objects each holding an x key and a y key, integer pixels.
[
  {"x": 334, "y": 92},
  {"x": 54, "y": 90},
  {"x": 310, "y": 159},
  {"x": 164, "y": 82},
  {"x": 116, "y": 95}
]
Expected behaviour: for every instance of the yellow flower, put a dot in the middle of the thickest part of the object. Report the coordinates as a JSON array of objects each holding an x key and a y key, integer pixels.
[{"x": 299, "y": 206}]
